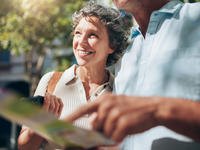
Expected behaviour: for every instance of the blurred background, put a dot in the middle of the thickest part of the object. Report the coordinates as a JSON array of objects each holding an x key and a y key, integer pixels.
[{"x": 35, "y": 37}]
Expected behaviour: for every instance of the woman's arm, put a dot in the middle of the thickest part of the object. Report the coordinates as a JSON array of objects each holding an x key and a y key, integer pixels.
[{"x": 29, "y": 140}]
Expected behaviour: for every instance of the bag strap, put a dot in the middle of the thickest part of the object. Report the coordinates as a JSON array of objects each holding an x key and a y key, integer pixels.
[{"x": 53, "y": 81}]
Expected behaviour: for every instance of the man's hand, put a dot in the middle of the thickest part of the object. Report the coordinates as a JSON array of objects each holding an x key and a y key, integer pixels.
[{"x": 120, "y": 115}]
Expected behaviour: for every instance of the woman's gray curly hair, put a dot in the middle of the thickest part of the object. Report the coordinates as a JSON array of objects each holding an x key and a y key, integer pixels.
[{"x": 118, "y": 33}]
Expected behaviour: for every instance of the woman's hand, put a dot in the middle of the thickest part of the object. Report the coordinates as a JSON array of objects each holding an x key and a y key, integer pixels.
[
  {"x": 53, "y": 104},
  {"x": 28, "y": 139}
]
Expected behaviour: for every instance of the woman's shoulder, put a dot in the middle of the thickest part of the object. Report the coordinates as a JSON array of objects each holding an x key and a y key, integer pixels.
[
  {"x": 41, "y": 88},
  {"x": 47, "y": 76}
]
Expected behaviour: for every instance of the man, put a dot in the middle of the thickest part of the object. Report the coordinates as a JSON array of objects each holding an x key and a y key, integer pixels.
[{"x": 162, "y": 62}]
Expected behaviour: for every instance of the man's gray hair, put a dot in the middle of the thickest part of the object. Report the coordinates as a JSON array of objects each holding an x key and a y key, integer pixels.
[{"x": 118, "y": 33}]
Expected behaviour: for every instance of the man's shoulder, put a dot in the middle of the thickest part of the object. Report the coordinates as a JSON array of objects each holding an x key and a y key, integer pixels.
[
  {"x": 191, "y": 10},
  {"x": 192, "y": 5}
]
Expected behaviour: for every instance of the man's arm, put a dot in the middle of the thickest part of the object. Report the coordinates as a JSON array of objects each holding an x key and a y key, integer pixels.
[
  {"x": 180, "y": 115},
  {"x": 119, "y": 116}
]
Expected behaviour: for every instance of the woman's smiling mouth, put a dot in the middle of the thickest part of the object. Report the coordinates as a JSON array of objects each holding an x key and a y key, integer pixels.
[{"x": 84, "y": 52}]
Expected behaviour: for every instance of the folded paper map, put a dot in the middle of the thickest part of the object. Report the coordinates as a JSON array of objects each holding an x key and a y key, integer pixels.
[{"x": 45, "y": 124}]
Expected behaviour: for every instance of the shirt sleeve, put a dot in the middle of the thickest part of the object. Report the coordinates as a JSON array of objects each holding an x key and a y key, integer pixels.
[{"x": 41, "y": 88}]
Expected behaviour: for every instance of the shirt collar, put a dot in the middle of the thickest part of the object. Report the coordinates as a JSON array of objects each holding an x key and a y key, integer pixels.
[
  {"x": 171, "y": 7},
  {"x": 135, "y": 32},
  {"x": 69, "y": 75},
  {"x": 111, "y": 79},
  {"x": 106, "y": 87}
]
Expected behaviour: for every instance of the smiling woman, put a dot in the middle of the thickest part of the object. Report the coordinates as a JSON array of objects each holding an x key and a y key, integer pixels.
[
  {"x": 99, "y": 40},
  {"x": 91, "y": 43},
  {"x": 113, "y": 23}
]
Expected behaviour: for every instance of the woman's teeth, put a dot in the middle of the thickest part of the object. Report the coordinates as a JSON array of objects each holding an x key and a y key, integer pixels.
[{"x": 84, "y": 52}]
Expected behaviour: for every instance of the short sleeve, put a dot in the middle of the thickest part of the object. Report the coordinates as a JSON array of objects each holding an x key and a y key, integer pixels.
[{"x": 41, "y": 88}]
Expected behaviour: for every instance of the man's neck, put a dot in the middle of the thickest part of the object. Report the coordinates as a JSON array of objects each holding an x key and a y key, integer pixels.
[{"x": 143, "y": 10}]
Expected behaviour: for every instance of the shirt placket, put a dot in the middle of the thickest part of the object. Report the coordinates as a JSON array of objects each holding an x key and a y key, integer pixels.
[
  {"x": 146, "y": 50},
  {"x": 81, "y": 91}
]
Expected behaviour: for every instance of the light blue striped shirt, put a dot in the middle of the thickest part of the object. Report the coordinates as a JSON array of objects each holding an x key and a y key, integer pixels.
[{"x": 164, "y": 63}]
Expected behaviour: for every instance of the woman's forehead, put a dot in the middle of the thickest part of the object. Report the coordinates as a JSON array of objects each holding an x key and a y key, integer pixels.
[{"x": 93, "y": 20}]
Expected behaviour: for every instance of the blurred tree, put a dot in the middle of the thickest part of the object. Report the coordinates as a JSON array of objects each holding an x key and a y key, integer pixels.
[{"x": 33, "y": 26}]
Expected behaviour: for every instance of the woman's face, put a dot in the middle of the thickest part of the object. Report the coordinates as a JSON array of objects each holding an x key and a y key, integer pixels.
[{"x": 91, "y": 42}]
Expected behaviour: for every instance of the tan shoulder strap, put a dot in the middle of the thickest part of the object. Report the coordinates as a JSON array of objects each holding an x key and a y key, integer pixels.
[{"x": 53, "y": 81}]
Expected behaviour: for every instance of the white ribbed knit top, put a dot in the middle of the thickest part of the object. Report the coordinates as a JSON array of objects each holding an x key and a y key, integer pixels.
[{"x": 72, "y": 94}]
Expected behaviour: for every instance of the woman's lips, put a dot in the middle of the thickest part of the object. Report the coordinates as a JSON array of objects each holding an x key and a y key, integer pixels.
[{"x": 84, "y": 53}]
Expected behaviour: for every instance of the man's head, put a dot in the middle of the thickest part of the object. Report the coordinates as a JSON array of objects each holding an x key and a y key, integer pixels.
[
  {"x": 126, "y": 5},
  {"x": 139, "y": 6}
]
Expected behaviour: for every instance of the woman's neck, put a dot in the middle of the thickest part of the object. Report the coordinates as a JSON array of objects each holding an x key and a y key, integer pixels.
[
  {"x": 92, "y": 75},
  {"x": 91, "y": 78}
]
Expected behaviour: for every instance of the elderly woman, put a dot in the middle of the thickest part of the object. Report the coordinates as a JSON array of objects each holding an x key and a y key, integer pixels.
[{"x": 99, "y": 40}]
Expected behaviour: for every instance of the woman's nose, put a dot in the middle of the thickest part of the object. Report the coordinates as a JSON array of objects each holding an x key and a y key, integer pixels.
[{"x": 82, "y": 40}]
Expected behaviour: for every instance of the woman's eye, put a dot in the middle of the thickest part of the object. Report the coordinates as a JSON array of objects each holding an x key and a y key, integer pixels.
[
  {"x": 77, "y": 33},
  {"x": 93, "y": 35}
]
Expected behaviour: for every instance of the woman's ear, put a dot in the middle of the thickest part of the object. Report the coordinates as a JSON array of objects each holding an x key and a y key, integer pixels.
[{"x": 110, "y": 51}]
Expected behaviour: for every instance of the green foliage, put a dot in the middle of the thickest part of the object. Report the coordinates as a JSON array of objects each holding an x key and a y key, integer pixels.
[
  {"x": 63, "y": 64},
  {"x": 5, "y": 7},
  {"x": 27, "y": 25}
]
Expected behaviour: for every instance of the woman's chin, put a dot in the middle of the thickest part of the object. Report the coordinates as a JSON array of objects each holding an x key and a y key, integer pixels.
[{"x": 82, "y": 63}]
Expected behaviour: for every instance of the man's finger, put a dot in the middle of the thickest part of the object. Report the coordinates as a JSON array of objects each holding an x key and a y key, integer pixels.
[
  {"x": 103, "y": 112},
  {"x": 83, "y": 110}
]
